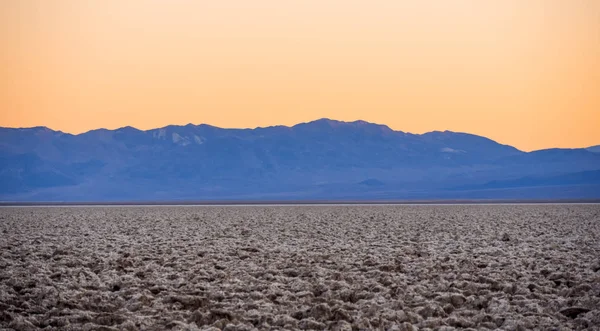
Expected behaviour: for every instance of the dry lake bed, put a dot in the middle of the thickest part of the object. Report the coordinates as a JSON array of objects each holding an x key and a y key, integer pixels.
[{"x": 475, "y": 267}]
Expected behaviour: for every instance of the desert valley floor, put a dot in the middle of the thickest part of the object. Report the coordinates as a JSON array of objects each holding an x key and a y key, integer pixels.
[{"x": 476, "y": 267}]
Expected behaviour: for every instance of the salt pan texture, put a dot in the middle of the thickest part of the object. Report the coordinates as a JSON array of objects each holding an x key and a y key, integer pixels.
[{"x": 301, "y": 267}]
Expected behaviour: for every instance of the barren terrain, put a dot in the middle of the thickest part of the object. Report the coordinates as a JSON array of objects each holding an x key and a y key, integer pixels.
[{"x": 513, "y": 267}]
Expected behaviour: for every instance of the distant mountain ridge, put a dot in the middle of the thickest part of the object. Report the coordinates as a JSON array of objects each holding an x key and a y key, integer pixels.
[
  {"x": 594, "y": 149},
  {"x": 322, "y": 159}
]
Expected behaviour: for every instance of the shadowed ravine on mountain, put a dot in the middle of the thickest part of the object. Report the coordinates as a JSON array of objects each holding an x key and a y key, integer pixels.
[{"x": 323, "y": 159}]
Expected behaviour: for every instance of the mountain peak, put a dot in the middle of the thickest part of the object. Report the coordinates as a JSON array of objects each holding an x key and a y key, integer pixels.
[
  {"x": 127, "y": 128},
  {"x": 331, "y": 123},
  {"x": 321, "y": 121},
  {"x": 36, "y": 129}
]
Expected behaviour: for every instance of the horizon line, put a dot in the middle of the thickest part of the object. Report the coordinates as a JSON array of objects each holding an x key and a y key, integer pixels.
[
  {"x": 237, "y": 128},
  {"x": 360, "y": 121}
]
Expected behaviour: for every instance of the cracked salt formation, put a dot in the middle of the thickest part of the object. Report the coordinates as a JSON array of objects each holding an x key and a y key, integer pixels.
[{"x": 301, "y": 267}]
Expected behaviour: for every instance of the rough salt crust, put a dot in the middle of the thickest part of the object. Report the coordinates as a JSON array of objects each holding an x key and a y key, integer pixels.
[{"x": 301, "y": 267}]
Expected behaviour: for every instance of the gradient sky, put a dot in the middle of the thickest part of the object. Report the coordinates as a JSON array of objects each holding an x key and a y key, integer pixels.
[{"x": 522, "y": 72}]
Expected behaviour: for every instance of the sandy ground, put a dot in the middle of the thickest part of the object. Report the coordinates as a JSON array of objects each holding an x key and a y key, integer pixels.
[{"x": 301, "y": 267}]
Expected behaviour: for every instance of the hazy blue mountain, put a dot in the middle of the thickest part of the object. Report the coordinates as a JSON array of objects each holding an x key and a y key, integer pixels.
[
  {"x": 372, "y": 182},
  {"x": 571, "y": 179},
  {"x": 323, "y": 159},
  {"x": 594, "y": 149}
]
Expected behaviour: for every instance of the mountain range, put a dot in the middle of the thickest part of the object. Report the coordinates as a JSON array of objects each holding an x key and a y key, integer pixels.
[{"x": 320, "y": 160}]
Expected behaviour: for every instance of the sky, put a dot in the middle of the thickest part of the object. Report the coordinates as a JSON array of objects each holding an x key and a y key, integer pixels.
[{"x": 524, "y": 73}]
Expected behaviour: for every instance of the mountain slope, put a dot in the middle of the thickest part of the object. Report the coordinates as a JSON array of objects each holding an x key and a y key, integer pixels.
[
  {"x": 571, "y": 179},
  {"x": 323, "y": 158},
  {"x": 594, "y": 149}
]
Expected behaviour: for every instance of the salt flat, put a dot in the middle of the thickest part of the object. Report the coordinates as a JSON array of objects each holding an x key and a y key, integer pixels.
[{"x": 478, "y": 267}]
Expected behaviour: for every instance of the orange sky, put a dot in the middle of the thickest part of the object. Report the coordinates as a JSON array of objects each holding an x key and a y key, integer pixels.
[{"x": 522, "y": 72}]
